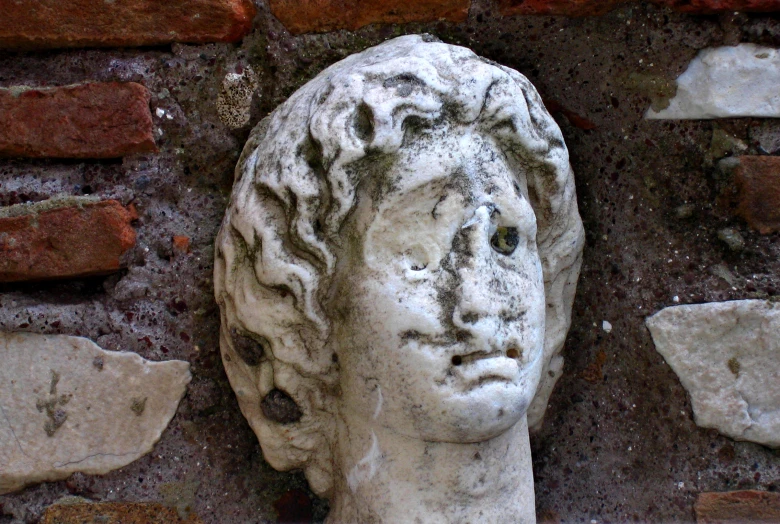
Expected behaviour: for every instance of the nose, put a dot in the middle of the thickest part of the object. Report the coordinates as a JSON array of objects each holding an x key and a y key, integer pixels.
[{"x": 481, "y": 296}]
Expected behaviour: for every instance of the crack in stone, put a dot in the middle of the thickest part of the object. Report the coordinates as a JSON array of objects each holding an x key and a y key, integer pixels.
[
  {"x": 71, "y": 462},
  {"x": 16, "y": 439}
]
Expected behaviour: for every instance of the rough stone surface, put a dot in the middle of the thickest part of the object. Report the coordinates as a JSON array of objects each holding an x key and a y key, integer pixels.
[
  {"x": 727, "y": 356},
  {"x": 738, "y": 507},
  {"x": 82, "y": 512},
  {"x": 92, "y": 120},
  {"x": 305, "y": 16},
  {"x": 757, "y": 180},
  {"x": 234, "y": 103},
  {"x": 433, "y": 356},
  {"x": 77, "y": 23},
  {"x": 66, "y": 405},
  {"x": 727, "y": 82},
  {"x": 766, "y": 136},
  {"x": 63, "y": 238}
]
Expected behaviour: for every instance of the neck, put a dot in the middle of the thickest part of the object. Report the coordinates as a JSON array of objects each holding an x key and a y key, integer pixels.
[{"x": 388, "y": 477}]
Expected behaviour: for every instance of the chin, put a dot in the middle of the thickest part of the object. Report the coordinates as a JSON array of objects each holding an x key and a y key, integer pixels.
[{"x": 480, "y": 414}]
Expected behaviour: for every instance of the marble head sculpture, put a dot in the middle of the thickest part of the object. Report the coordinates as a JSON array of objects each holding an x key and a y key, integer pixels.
[{"x": 395, "y": 274}]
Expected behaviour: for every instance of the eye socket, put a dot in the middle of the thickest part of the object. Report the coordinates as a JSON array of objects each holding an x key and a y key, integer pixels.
[{"x": 505, "y": 240}]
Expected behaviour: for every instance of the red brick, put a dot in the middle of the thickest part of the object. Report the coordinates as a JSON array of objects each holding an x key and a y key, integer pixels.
[
  {"x": 600, "y": 7},
  {"x": 115, "y": 513},
  {"x": 558, "y": 7},
  {"x": 757, "y": 179},
  {"x": 95, "y": 120},
  {"x": 78, "y": 23},
  {"x": 717, "y": 6},
  {"x": 738, "y": 507},
  {"x": 306, "y": 16},
  {"x": 60, "y": 238},
  {"x": 181, "y": 244}
]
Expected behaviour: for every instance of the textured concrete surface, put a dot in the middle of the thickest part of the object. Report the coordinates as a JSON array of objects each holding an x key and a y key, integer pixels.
[{"x": 619, "y": 442}]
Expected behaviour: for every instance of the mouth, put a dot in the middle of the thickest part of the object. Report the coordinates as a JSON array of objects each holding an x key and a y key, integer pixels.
[
  {"x": 479, "y": 368},
  {"x": 510, "y": 353}
]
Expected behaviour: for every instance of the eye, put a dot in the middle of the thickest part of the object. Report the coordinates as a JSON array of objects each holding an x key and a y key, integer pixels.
[{"x": 504, "y": 240}]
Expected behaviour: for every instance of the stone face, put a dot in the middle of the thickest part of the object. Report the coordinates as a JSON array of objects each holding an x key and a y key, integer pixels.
[
  {"x": 727, "y": 356},
  {"x": 727, "y": 82},
  {"x": 66, "y": 405},
  {"x": 738, "y": 507},
  {"x": 435, "y": 294},
  {"x": 757, "y": 180},
  {"x": 305, "y": 16},
  {"x": 79, "y": 23},
  {"x": 63, "y": 237},
  {"x": 114, "y": 513},
  {"x": 94, "y": 120}
]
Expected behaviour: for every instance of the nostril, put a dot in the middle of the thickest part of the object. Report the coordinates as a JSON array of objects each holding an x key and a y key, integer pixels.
[
  {"x": 457, "y": 360},
  {"x": 512, "y": 353}
]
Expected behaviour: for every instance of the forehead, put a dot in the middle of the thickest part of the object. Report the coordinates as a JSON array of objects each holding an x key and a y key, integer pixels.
[{"x": 460, "y": 159}]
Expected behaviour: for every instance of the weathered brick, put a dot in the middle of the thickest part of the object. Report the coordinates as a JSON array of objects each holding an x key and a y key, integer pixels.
[
  {"x": 558, "y": 7},
  {"x": 94, "y": 120},
  {"x": 181, "y": 244},
  {"x": 78, "y": 23},
  {"x": 115, "y": 513},
  {"x": 717, "y": 6},
  {"x": 305, "y": 16},
  {"x": 64, "y": 237},
  {"x": 738, "y": 507},
  {"x": 600, "y": 7},
  {"x": 757, "y": 180}
]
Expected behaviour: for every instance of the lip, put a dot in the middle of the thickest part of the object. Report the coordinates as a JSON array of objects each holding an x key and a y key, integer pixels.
[
  {"x": 482, "y": 367},
  {"x": 477, "y": 356}
]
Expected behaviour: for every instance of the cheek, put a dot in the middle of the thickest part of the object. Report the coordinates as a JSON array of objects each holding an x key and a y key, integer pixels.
[{"x": 395, "y": 305}]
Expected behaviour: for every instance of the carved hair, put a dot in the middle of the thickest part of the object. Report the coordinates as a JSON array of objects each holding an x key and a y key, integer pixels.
[{"x": 295, "y": 184}]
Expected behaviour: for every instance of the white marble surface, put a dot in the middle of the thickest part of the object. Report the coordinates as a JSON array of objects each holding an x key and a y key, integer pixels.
[
  {"x": 399, "y": 259},
  {"x": 727, "y": 355},
  {"x": 727, "y": 82},
  {"x": 66, "y": 405}
]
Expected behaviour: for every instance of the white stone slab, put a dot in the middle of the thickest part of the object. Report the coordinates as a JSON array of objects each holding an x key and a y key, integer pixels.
[
  {"x": 727, "y": 355},
  {"x": 727, "y": 82},
  {"x": 66, "y": 405}
]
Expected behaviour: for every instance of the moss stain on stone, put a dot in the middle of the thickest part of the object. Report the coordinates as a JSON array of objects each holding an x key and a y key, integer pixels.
[
  {"x": 734, "y": 366},
  {"x": 56, "y": 202},
  {"x": 138, "y": 405}
]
